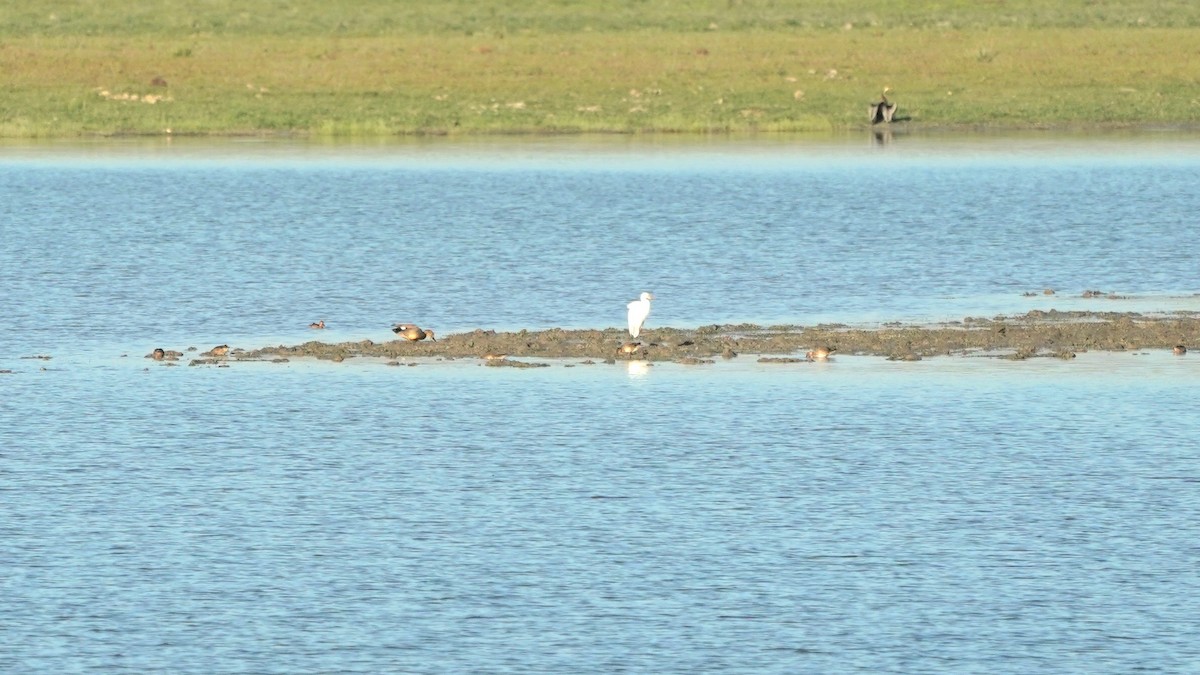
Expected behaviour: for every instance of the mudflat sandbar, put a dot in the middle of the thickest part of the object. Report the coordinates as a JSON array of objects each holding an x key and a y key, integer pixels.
[{"x": 1034, "y": 334}]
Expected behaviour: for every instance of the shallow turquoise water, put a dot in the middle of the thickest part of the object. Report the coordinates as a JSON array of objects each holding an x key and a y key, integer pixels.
[{"x": 952, "y": 515}]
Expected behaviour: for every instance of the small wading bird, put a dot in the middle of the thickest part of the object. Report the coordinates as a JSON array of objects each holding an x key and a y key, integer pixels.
[
  {"x": 412, "y": 333},
  {"x": 883, "y": 110},
  {"x": 219, "y": 350},
  {"x": 629, "y": 349},
  {"x": 820, "y": 354},
  {"x": 638, "y": 311},
  {"x": 319, "y": 324}
]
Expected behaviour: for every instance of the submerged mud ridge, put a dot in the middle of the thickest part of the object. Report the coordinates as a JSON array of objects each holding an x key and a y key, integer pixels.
[{"x": 1035, "y": 334}]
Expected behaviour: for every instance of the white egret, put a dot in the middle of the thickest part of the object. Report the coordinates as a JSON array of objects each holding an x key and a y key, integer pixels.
[{"x": 638, "y": 311}]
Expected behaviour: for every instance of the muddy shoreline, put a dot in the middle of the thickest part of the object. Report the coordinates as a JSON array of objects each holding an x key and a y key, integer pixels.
[{"x": 1035, "y": 334}]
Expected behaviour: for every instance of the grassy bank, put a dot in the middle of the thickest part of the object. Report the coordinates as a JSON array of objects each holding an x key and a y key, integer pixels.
[{"x": 387, "y": 68}]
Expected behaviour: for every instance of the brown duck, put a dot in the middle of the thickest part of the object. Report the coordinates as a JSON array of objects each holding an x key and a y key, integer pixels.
[
  {"x": 819, "y": 354},
  {"x": 413, "y": 333},
  {"x": 629, "y": 349}
]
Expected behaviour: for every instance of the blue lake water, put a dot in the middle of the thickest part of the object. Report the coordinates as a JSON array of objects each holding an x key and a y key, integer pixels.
[{"x": 951, "y": 515}]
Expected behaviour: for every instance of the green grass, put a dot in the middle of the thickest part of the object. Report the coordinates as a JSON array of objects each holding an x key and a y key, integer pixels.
[
  {"x": 497, "y": 18},
  {"x": 383, "y": 68}
]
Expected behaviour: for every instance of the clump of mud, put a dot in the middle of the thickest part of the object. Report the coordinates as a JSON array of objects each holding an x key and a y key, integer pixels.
[
  {"x": 509, "y": 363},
  {"x": 1035, "y": 334}
]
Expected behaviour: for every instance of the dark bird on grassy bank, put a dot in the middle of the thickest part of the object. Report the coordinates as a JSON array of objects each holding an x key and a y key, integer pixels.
[
  {"x": 412, "y": 333},
  {"x": 883, "y": 110}
]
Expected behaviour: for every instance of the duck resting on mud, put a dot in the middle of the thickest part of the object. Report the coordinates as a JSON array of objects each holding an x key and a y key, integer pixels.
[
  {"x": 412, "y": 333},
  {"x": 820, "y": 354}
]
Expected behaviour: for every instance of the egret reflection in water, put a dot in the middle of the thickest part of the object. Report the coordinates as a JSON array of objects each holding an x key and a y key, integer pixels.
[{"x": 637, "y": 369}]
